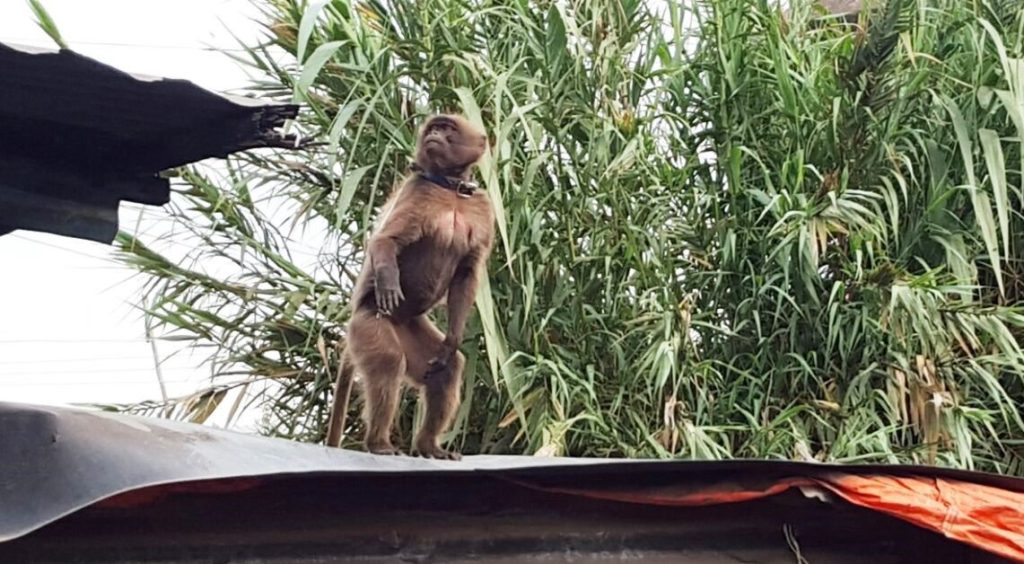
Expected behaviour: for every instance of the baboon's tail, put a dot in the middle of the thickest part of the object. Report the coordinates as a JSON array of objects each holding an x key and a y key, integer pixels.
[{"x": 342, "y": 394}]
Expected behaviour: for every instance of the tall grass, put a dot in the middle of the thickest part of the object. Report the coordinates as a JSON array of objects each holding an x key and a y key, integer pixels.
[{"x": 725, "y": 231}]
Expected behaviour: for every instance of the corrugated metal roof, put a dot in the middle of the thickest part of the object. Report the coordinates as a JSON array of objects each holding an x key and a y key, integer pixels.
[{"x": 77, "y": 137}]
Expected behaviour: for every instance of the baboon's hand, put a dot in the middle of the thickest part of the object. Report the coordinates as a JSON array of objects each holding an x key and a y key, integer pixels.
[
  {"x": 388, "y": 290},
  {"x": 444, "y": 358}
]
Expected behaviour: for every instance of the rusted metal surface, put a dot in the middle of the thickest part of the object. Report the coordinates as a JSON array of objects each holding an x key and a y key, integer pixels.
[
  {"x": 77, "y": 137},
  {"x": 112, "y": 488}
]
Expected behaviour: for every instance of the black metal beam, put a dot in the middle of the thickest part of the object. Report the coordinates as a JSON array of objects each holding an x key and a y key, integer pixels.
[{"x": 77, "y": 137}]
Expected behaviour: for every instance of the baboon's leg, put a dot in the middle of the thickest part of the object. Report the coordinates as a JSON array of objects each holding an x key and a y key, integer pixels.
[
  {"x": 440, "y": 390},
  {"x": 377, "y": 355}
]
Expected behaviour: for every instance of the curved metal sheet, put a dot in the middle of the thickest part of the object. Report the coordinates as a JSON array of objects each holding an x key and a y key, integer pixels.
[{"x": 57, "y": 460}]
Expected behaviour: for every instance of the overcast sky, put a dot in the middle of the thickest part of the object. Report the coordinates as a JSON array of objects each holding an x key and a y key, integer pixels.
[{"x": 70, "y": 333}]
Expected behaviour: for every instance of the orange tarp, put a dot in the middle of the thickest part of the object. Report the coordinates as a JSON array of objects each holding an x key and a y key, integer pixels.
[
  {"x": 986, "y": 517},
  {"x": 983, "y": 516}
]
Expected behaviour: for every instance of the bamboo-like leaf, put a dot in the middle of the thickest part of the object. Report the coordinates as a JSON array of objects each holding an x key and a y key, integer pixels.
[
  {"x": 203, "y": 405},
  {"x": 348, "y": 189},
  {"x": 497, "y": 352},
  {"x": 982, "y": 207},
  {"x": 312, "y": 67},
  {"x": 556, "y": 39},
  {"x": 341, "y": 120},
  {"x": 46, "y": 23},
  {"x": 487, "y": 167},
  {"x": 993, "y": 150},
  {"x": 306, "y": 27},
  {"x": 1014, "y": 108}
]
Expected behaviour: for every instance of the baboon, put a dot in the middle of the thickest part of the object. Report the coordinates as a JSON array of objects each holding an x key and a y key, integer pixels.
[{"x": 431, "y": 243}]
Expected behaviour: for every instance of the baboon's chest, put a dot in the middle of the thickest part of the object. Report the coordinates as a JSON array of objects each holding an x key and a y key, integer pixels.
[{"x": 454, "y": 229}]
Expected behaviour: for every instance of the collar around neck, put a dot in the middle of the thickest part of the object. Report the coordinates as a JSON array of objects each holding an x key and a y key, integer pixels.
[{"x": 463, "y": 188}]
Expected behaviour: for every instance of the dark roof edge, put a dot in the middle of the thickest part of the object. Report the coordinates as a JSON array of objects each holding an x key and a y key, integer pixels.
[
  {"x": 80, "y": 457},
  {"x": 142, "y": 77},
  {"x": 80, "y": 136}
]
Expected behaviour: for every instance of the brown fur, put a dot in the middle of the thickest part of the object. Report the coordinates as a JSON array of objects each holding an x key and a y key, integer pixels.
[{"x": 431, "y": 245}]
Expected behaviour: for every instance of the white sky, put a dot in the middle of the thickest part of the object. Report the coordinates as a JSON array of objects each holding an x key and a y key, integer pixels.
[{"x": 70, "y": 333}]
